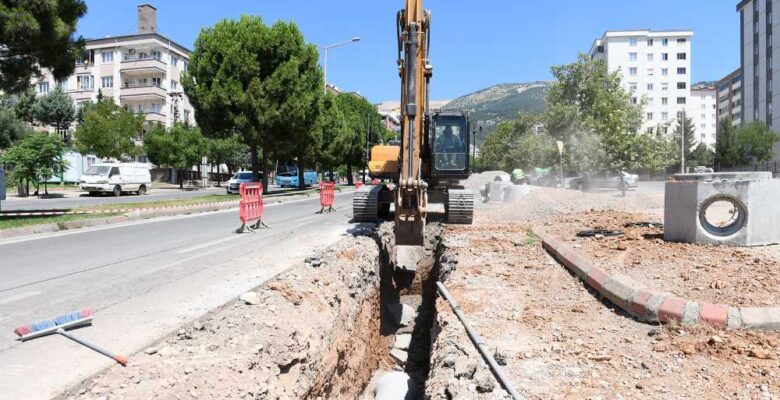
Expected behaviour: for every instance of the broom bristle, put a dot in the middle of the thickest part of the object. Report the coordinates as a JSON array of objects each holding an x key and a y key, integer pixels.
[{"x": 50, "y": 323}]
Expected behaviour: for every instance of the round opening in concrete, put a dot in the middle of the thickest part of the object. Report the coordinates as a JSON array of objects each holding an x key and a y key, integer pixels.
[{"x": 722, "y": 216}]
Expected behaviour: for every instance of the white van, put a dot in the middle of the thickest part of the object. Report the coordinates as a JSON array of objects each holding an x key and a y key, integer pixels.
[{"x": 116, "y": 179}]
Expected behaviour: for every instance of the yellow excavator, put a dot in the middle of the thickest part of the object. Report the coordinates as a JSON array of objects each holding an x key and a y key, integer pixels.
[{"x": 428, "y": 163}]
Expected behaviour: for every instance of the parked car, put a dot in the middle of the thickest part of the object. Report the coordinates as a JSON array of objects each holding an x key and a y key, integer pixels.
[
  {"x": 116, "y": 179},
  {"x": 234, "y": 183},
  {"x": 622, "y": 181}
]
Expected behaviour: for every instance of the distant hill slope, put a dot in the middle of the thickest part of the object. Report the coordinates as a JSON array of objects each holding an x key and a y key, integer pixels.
[{"x": 501, "y": 102}]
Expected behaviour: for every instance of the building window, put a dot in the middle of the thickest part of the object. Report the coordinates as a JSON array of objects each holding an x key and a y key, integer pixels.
[
  {"x": 681, "y": 71},
  {"x": 682, "y": 56},
  {"x": 681, "y": 100},
  {"x": 681, "y": 41},
  {"x": 156, "y": 107},
  {"x": 632, "y": 71},
  {"x": 107, "y": 81},
  {"x": 649, "y": 101},
  {"x": 649, "y": 87},
  {"x": 664, "y": 56},
  {"x": 681, "y": 85},
  {"x": 664, "y": 71},
  {"x": 649, "y": 56},
  {"x": 157, "y": 81},
  {"x": 649, "y": 72},
  {"x": 107, "y": 56},
  {"x": 664, "y": 42},
  {"x": 632, "y": 87},
  {"x": 174, "y": 85},
  {"x": 186, "y": 115},
  {"x": 649, "y": 42},
  {"x": 664, "y": 116},
  {"x": 649, "y": 116},
  {"x": 174, "y": 61},
  {"x": 665, "y": 86},
  {"x": 633, "y": 100},
  {"x": 85, "y": 82},
  {"x": 664, "y": 100},
  {"x": 43, "y": 87},
  {"x": 186, "y": 66},
  {"x": 631, "y": 56},
  {"x": 632, "y": 41}
]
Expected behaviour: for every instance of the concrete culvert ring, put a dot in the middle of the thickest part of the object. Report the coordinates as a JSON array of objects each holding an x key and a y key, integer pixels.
[{"x": 722, "y": 216}]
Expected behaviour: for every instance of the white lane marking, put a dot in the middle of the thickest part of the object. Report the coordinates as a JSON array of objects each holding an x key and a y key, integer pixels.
[
  {"x": 140, "y": 222},
  {"x": 17, "y": 297},
  {"x": 211, "y": 243}
]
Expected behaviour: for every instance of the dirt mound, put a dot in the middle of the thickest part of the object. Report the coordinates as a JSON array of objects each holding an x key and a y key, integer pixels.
[{"x": 310, "y": 332}]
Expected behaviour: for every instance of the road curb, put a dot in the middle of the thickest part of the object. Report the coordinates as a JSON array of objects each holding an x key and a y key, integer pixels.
[{"x": 647, "y": 304}]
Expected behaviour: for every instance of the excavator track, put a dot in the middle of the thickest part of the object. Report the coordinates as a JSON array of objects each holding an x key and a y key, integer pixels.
[
  {"x": 365, "y": 204},
  {"x": 460, "y": 206}
]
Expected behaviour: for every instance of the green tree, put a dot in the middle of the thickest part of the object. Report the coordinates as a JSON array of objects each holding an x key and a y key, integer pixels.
[
  {"x": 690, "y": 139},
  {"x": 36, "y": 158},
  {"x": 55, "y": 109},
  {"x": 179, "y": 147},
  {"x": 515, "y": 145},
  {"x": 11, "y": 128},
  {"x": 701, "y": 156},
  {"x": 108, "y": 130},
  {"x": 24, "y": 104},
  {"x": 229, "y": 151},
  {"x": 332, "y": 126},
  {"x": 361, "y": 118},
  {"x": 38, "y": 34},
  {"x": 755, "y": 140},
  {"x": 727, "y": 152},
  {"x": 590, "y": 111},
  {"x": 259, "y": 81}
]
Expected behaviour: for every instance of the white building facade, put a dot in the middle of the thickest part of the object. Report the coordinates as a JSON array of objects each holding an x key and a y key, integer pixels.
[
  {"x": 141, "y": 72},
  {"x": 655, "y": 68},
  {"x": 760, "y": 91},
  {"x": 702, "y": 110}
]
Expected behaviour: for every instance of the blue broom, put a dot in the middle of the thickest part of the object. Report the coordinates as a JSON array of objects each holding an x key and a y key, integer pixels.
[{"x": 59, "y": 325}]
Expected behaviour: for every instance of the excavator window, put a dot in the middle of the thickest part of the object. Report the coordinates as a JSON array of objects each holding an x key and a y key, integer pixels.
[{"x": 450, "y": 143}]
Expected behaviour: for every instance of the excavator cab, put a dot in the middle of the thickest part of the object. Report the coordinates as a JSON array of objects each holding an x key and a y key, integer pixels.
[{"x": 450, "y": 145}]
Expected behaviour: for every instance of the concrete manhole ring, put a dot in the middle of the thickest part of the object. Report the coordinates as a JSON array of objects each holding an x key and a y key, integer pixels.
[{"x": 715, "y": 205}]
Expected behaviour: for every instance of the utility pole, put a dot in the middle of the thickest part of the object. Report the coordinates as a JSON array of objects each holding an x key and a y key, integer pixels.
[
  {"x": 325, "y": 57},
  {"x": 682, "y": 141}
]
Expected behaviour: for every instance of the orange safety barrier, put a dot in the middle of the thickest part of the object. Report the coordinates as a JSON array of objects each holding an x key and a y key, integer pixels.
[
  {"x": 327, "y": 195},
  {"x": 250, "y": 207},
  {"x": 358, "y": 184}
]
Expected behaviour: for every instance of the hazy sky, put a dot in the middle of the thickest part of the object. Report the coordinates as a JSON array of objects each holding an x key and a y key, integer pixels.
[{"x": 475, "y": 44}]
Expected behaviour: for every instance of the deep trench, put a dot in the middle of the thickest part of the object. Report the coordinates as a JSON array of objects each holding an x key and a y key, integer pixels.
[{"x": 420, "y": 295}]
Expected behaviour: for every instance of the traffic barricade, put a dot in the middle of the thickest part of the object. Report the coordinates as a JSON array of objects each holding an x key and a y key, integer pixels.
[
  {"x": 327, "y": 196},
  {"x": 250, "y": 207},
  {"x": 358, "y": 184}
]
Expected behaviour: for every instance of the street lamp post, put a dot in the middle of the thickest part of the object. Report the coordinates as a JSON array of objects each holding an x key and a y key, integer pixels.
[
  {"x": 325, "y": 56},
  {"x": 681, "y": 116}
]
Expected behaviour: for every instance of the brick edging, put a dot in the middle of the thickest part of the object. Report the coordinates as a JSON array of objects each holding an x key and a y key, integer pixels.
[{"x": 654, "y": 306}]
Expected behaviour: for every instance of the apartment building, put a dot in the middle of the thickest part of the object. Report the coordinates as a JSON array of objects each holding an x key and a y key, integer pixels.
[
  {"x": 759, "y": 90},
  {"x": 702, "y": 110},
  {"x": 141, "y": 72},
  {"x": 655, "y": 67},
  {"x": 730, "y": 97}
]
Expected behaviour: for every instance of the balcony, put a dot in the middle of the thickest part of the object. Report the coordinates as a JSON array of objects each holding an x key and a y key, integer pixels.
[
  {"x": 142, "y": 65},
  {"x": 152, "y": 116},
  {"x": 149, "y": 91},
  {"x": 81, "y": 93}
]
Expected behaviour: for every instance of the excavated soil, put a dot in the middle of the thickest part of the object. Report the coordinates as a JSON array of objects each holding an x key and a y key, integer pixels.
[
  {"x": 742, "y": 277},
  {"x": 560, "y": 340},
  {"x": 310, "y": 332}
]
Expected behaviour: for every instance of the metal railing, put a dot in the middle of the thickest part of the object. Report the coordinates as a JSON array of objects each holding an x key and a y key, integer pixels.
[
  {"x": 143, "y": 85},
  {"x": 132, "y": 58}
]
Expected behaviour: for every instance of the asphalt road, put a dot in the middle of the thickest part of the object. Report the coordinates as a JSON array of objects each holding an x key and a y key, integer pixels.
[
  {"x": 81, "y": 199},
  {"x": 142, "y": 279}
]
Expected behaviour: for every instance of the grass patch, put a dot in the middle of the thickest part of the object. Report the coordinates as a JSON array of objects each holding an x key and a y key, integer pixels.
[
  {"x": 208, "y": 198},
  {"x": 26, "y": 221},
  {"x": 531, "y": 239}
]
